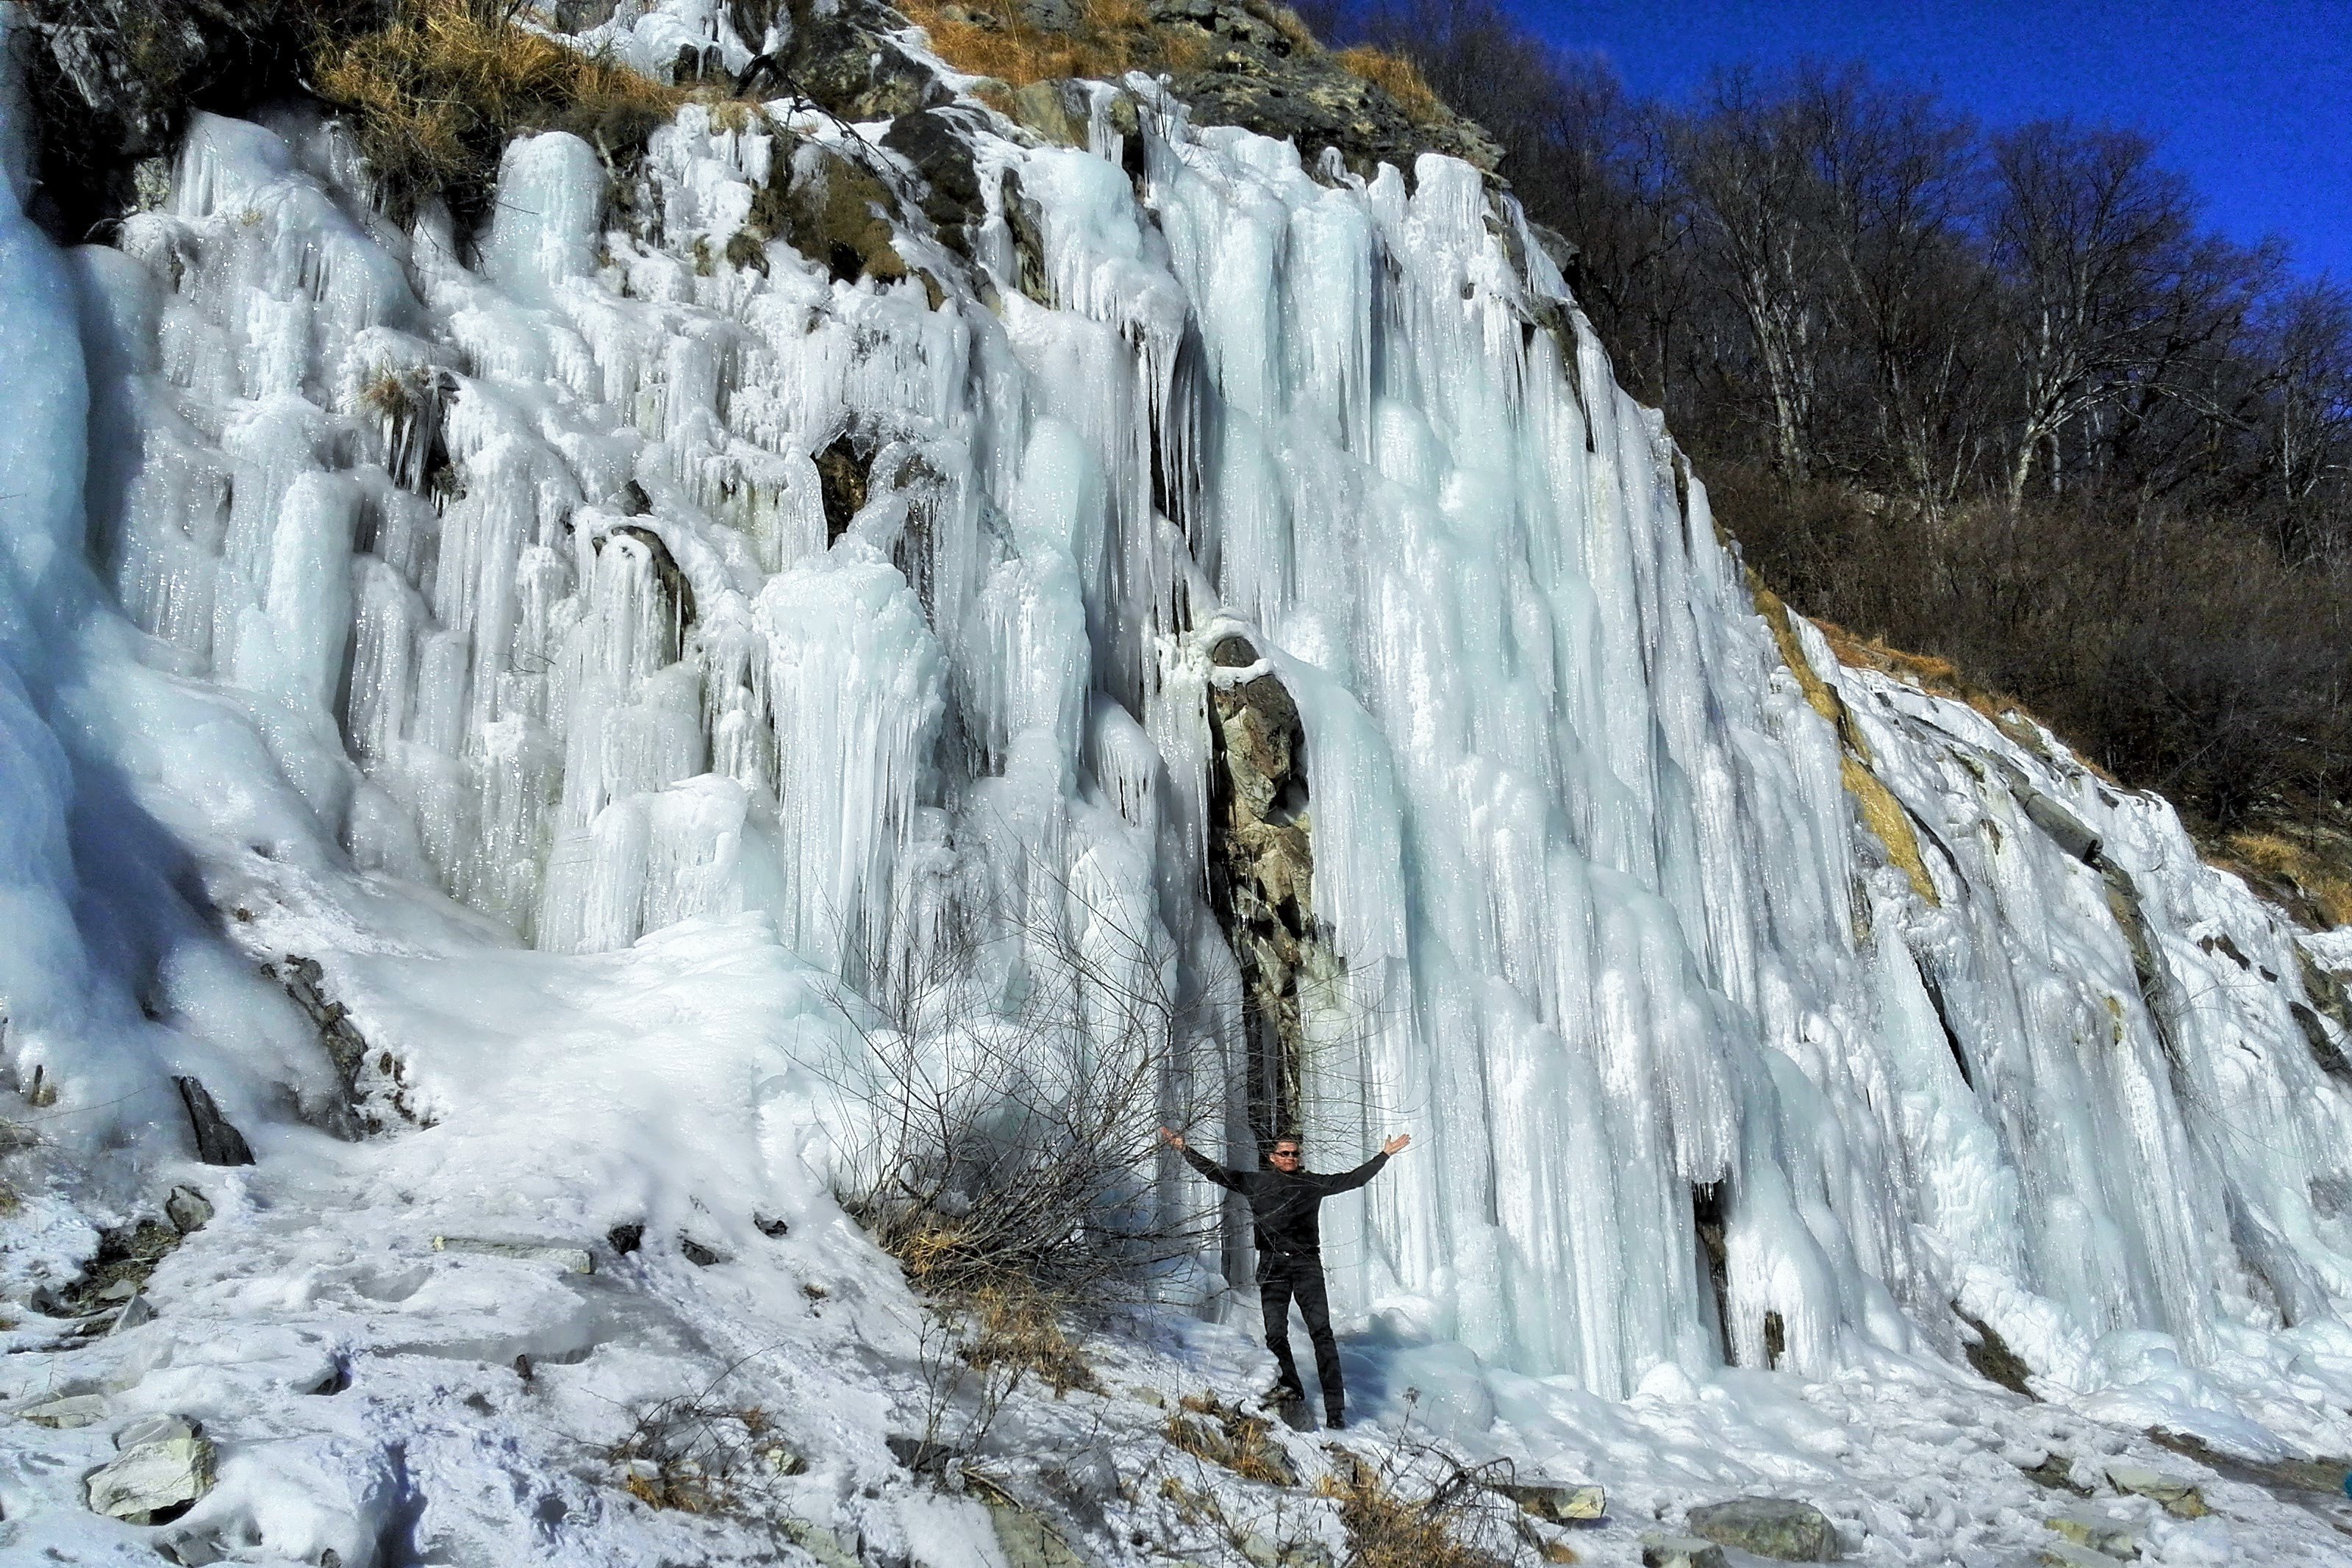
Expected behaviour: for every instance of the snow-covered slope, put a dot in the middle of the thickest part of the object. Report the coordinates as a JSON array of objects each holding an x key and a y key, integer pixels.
[{"x": 478, "y": 629}]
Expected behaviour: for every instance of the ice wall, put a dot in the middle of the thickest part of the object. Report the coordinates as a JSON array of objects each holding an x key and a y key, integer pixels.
[{"x": 523, "y": 566}]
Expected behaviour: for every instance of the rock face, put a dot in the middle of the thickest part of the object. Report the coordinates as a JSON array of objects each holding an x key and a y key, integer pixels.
[
  {"x": 163, "y": 1467},
  {"x": 1772, "y": 1527},
  {"x": 1265, "y": 77},
  {"x": 2115, "y": 1536},
  {"x": 1262, "y": 871}
]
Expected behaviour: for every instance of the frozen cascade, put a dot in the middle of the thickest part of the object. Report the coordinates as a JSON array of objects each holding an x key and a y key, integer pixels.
[{"x": 522, "y": 578}]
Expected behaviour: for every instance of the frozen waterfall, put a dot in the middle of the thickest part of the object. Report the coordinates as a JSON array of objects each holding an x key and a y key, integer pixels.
[{"x": 520, "y": 577}]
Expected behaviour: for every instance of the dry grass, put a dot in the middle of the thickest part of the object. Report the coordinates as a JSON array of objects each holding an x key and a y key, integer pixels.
[
  {"x": 1206, "y": 1429},
  {"x": 991, "y": 39},
  {"x": 1386, "y": 1530},
  {"x": 697, "y": 1454},
  {"x": 1398, "y": 78},
  {"x": 436, "y": 92},
  {"x": 1013, "y": 1331},
  {"x": 1880, "y": 811},
  {"x": 2315, "y": 879}
]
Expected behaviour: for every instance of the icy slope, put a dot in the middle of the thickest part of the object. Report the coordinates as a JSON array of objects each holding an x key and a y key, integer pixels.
[{"x": 520, "y": 599}]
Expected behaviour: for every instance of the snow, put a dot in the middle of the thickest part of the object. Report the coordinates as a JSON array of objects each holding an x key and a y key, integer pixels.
[{"x": 388, "y": 662}]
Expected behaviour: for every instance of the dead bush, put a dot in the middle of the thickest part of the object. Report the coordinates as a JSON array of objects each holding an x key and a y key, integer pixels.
[
  {"x": 699, "y": 1454},
  {"x": 1399, "y": 1515},
  {"x": 436, "y": 92},
  {"x": 1209, "y": 1429}
]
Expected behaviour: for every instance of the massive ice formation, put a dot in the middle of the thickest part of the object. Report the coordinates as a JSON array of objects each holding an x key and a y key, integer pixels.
[{"x": 518, "y": 573}]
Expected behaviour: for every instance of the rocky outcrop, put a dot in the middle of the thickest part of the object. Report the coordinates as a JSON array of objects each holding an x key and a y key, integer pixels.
[
  {"x": 163, "y": 1467},
  {"x": 1262, "y": 869},
  {"x": 1274, "y": 79}
]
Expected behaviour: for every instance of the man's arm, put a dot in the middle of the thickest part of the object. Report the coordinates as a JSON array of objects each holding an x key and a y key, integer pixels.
[
  {"x": 1347, "y": 1181},
  {"x": 1229, "y": 1180}
]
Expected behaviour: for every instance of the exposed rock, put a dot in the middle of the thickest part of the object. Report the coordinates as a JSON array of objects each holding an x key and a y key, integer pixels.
[
  {"x": 136, "y": 1311},
  {"x": 304, "y": 981},
  {"x": 126, "y": 1257},
  {"x": 2176, "y": 1496},
  {"x": 2280, "y": 1475},
  {"x": 165, "y": 1466},
  {"x": 1777, "y": 1528},
  {"x": 833, "y": 210},
  {"x": 841, "y": 56},
  {"x": 844, "y": 471},
  {"x": 2067, "y": 1554},
  {"x": 571, "y": 1259},
  {"x": 700, "y": 1256},
  {"x": 218, "y": 1143},
  {"x": 187, "y": 1209},
  {"x": 1028, "y": 1541},
  {"x": 1259, "y": 75},
  {"x": 1262, "y": 869},
  {"x": 938, "y": 142},
  {"x": 1556, "y": 1504},
  {"x": 2116, "y": 1537},
  {"x": 1991, "y": 1357},
  {"x": 625, "y": 1238},
  {"x": 73, "y": 1410},
  {"x": 1680, "y": 1551},
  {"x": 818, "y": 1543}
]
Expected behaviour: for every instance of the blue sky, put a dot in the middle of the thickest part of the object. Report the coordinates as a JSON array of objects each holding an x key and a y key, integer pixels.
[{"x": 2251, "y": 98}]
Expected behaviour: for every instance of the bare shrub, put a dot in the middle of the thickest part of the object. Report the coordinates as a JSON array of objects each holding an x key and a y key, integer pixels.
[
  {"x": 698, "y": 1453},
  {"x": 1000, "y": 1100},
  {"x": 1422, "y": 1508}
]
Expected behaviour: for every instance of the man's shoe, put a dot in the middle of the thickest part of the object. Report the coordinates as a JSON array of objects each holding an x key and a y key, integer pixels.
[{"x": 1335, "y": 1421}]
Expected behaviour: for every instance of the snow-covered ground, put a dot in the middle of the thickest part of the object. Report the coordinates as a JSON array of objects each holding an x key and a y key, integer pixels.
[{"x": 386, "y": 664}]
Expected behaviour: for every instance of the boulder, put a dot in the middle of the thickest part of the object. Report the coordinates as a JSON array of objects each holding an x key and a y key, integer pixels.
[
  {"x": 1557, "y": 1503},
  {"x": 1777, "y": 1528},
  {"x": 2176, "y": 1497},
  {"x": 218, "y": 1143},
  {"x": 187, "y": 1209},
  {"x": 1680, "y": 1551},
  {"x": 164, "y": 1466},
  {"x": 2115, "y": 1536}
]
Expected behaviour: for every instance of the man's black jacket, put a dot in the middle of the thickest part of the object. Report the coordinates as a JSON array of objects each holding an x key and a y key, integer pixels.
[{"x": 1284, "y": 1204}]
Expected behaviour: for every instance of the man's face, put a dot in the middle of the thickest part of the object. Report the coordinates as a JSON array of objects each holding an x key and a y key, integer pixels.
[{"x": 1286, "y": 1155}]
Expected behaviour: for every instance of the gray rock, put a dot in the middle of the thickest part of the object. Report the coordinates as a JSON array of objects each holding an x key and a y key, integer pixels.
[
  {"x": 136, "y": 1311},
  {"x": 73, "y": 1410},
  {"x": 1680, "y": 1551},
  {"x": 1558, "y": 1503},
  {"x": 1050, "y": 16},
  {"x": 187, "y": 1209},
  {"x": 2084, "y": 1527},
  {"x": 152, "y": 1478},
  {"x": 2176, "y": 1497},
  {"x": 571, "y": 1259},
  {"x": 1777, "y": 1528},
  {"x": 218, "y": 1143},
  {"x": 819, "y": 1543},
  {"x": 1027, "y": 1541}
]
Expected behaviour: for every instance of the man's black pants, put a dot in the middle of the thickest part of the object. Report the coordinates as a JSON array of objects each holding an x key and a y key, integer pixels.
[{"x": 1281, "y": 1281}]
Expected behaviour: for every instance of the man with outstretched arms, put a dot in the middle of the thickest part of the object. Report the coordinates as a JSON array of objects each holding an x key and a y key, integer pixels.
[{"x": 1283, "y": 1200}]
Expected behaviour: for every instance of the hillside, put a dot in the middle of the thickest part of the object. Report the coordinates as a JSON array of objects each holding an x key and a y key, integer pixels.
[{"x": 674, "y": 669}]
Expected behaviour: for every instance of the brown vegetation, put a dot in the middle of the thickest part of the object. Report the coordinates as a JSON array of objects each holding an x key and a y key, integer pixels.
[
  {"x": 995, "y": 38},
  {"x": 1399, "y": 77},
  {"x": 1388, "y": 1528},
  {"x": 435, "y": 93}
]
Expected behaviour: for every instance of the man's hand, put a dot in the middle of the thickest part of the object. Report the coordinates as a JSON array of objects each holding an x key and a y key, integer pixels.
[
  {"x": 1396, "y": 1143},
  {"x": 1173, "y": 1140}
]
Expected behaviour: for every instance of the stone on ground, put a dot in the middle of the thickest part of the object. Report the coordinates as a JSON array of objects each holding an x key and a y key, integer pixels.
[
  {"x": 73, "y": 1410},
  {"x": 1558, "y": 1503},
  {"x": 154, "y": 1478},
  {"x": 1777, "y": 1528},
  {"x": 2116, "y": 1537},
  {"x": 1680, "y": 1551},
  {"x": 2176, "y": 1496}
]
